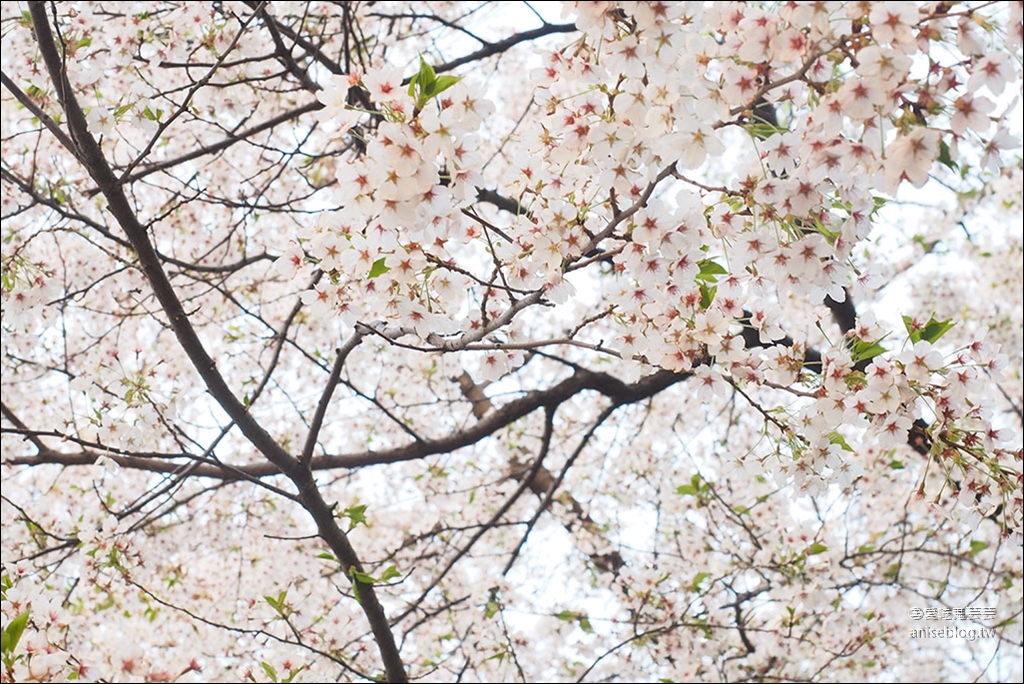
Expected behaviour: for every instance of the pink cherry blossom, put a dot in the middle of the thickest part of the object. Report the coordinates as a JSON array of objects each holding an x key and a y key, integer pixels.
[{"x": 615, "y": 341}]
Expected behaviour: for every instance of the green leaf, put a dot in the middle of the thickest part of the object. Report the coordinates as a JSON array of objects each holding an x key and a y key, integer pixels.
[
  {"x": 378, "y": 269},
  {"x": 762, "y": 130},
  {"x": 696, "y": 486},
  {"x": 944, "y": 157},
  {"x": 356, "y": 515},
  {"x": 879, "y": 202},
  {"x": 327, "y": 556},
  {"x": 390, "y": 573},
  {"x": 277, "y": 603},
  {"x": 697, "y": 579},
  {"x": 12, "y": 633},
  {"x": 934, "y": 329},
  {"x": 269, "y": 669},
  {"x": 814, "y": 225},
  {"x": 710, "y": 270},
  {"x": 930, "y": 331},
  {"x": 863, "y": 351},
  {"x": 426, "y": 76},
  {"x": 977, "y": 547},
  {"x": 686, "y": 490},
  {"x": 836, "y": 438},
  {"x": 816, "y": 548},
  {"x": 443, "y": 83},
  {"x": 707, "y": 295},
  {"x": 491, "y": 609},
  {"x": 363, "y": 577},
  {"x": 426, "y": 84},
  {"x": 575, "y": 616}
]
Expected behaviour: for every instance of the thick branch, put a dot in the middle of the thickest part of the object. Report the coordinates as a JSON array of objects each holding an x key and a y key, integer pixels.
[
  {"x": 619, "y": 392},
  {"x": 502, "y": 202},
  {"x": 88, "y": 151}
]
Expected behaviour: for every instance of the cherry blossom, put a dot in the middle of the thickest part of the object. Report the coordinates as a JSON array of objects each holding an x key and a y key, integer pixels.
[{"x": 607, "y": 341}]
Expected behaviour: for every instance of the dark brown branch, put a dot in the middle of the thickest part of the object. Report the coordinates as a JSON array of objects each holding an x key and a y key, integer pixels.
[
  {"x": 88, "y": 151},
  {"x": 502, "y": 45},
  {"x": 282, "y": 51},
  {"x": 224, "y": 143},
  {"x": 183, "y": 106},
  {"x": 30, "y": 436},
  {"x": 844, "y": 312},
  {"x": 37, "y": 111},
  {"x": 582, "y": 380},
  {"x": 553, "y": 486},
  {"x": 538, "y": 463},
  {"x": 325, "y": 397},
  {"x": 500, "y": 201}
]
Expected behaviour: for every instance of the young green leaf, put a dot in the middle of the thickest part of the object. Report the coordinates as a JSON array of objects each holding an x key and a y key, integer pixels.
[
  {"x": 710, "y": 270},
  {"x": 930, "y": 331},
  {"x": 277, "y": 603},
  {"x": 865, "y": 351},
  {"x": 934, "y": 329},
  {"x": 363, "y": 577},
  {"x": 836, "y": 438},
  {"x": 378, "y": 269},
  {"x": 707, "y": 295},
  {"x": 269, "y": 669},
  {"x": 944, "y": 157},
  {"x": 11, "y": 634},
  {"x": 356, "y": 516}
]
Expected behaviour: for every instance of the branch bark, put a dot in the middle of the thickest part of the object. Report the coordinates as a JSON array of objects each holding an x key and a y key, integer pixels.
[{"x": 87, "y": 150}]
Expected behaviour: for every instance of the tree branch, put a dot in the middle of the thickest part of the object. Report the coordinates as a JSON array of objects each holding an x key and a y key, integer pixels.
[
  {"x": 325, "y": 397},
  {"x": 502, "y": 45},
  {"x": 89, "y": 153}
]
